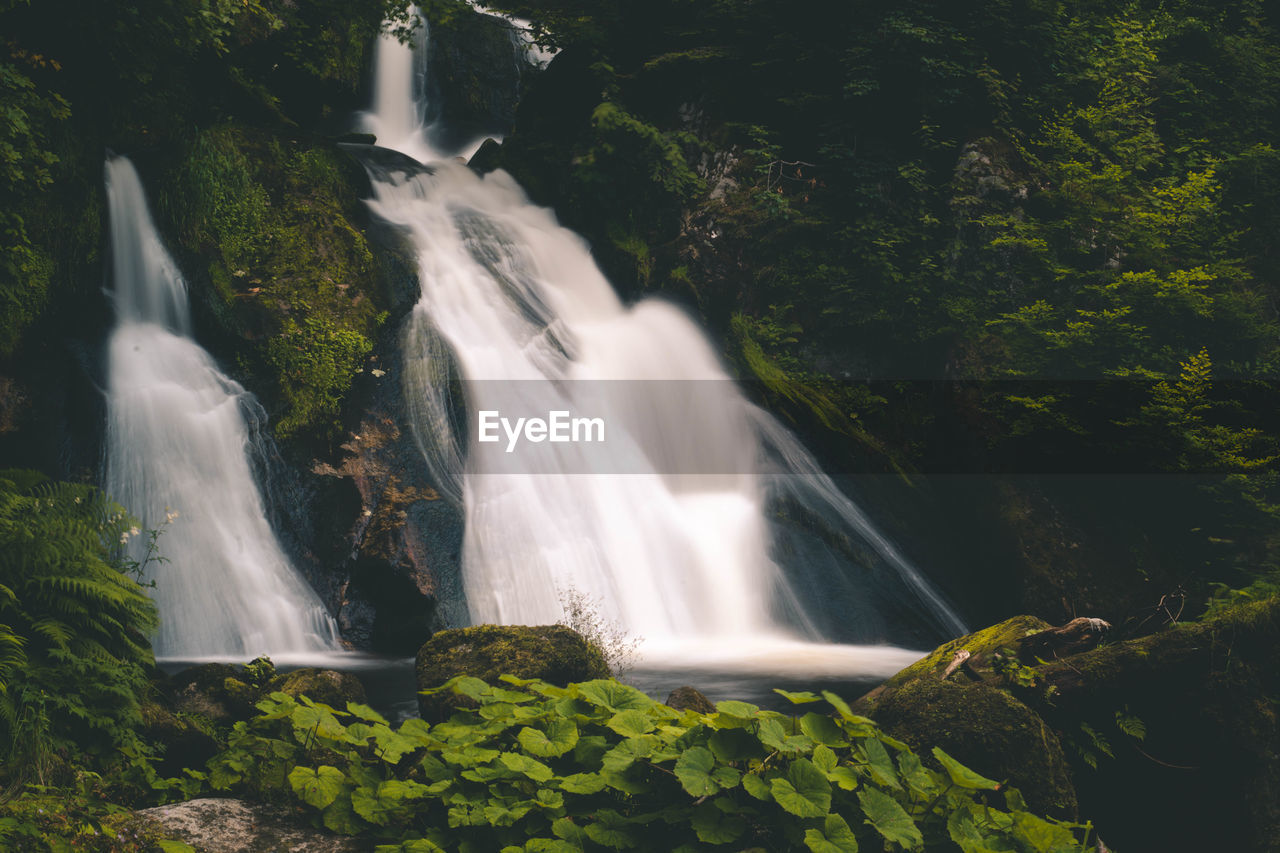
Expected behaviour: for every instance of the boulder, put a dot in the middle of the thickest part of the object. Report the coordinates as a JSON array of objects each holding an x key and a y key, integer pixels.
[
  {"x": 189, "y": 740},
  {"x": 990, "y": 731},
  {"x": 236, "y": 826},
  {"x": 328, "y": 686},
  {"x": 212, "y": 690},
  {"x": 690, "y": 699},
  {"x": 552, "y": 653}
]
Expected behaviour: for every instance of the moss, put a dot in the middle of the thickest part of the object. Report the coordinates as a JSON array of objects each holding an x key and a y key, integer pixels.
[
  {"x": 987, "y": 729},
  {"x": 980, "y": 644},
  {"x": 552, "y": 653},
  {"x": 333, "y": 688},
  {"x": 290, "y": 272}
]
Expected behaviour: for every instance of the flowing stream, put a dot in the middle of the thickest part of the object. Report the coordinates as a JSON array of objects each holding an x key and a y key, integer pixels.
[
  {"x": 179, "y": 435},
  {"x": 667, "y": 523}
]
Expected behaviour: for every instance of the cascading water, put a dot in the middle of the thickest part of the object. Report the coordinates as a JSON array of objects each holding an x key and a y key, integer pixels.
[
  {"x": 668, "y": 524},
  {"x": 177, "y": 458}
]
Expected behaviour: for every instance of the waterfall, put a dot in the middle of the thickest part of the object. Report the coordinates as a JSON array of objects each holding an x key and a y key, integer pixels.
[
  {"x": 668, "y": 523},
  {"x": 177, "y": 458}
]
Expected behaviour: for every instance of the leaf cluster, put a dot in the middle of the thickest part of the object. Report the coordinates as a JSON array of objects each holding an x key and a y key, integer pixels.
[{"x": 601, "y": 766}]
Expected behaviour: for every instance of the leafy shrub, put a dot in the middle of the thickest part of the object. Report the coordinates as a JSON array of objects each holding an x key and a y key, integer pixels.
[
  {"x": 600, "y": 766},
  {"x": 73, "y": 625}
]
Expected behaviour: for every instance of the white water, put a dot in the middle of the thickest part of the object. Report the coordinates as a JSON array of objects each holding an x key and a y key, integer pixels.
[
  {"x": 677, "y": 557},
  {"x": 178, "y": 441}
]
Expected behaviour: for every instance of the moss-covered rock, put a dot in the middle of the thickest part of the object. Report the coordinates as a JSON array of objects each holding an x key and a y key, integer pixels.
[
  {"x": 690, "y": 699},
  {"x": 187, "y": 739},
  {"x": 552, "y": 653},
  {"x": 202, "y": 690},
  {"x": 987, "y": 729},
  {"x": 333, "y": 688},
  {"x": 981, "y": 645},
  {"x": 270, "y": 231}
]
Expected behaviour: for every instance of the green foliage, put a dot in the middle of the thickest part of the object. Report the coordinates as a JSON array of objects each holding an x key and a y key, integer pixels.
[
  {"x": 277, "y": 221},
  {"x": 73, "y": 646},
  {"x": 599, "y": 765}
]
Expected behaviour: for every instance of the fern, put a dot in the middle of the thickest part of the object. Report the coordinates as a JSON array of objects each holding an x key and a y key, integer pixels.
[{"x": 73, "y": 625}]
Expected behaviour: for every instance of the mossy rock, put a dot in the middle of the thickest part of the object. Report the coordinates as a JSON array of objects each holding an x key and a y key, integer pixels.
[
  {"x": 552, "y": 653},
  {"x": 188, "y": 740},
  {"x": 690, "y": 699},
  {"x": 202, "y": 690},
  {"x": 988, "y": 730},
  {"x": 981, "y": 645},
  {"x": 328, "y": 686}
]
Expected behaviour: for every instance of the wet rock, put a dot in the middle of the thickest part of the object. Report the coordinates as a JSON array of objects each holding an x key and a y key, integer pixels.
[
  {"x": 552, "y": 653},
  {"x": 690, "y": 699},
  {"x": 187, "y": 739},
  {"x": 327, "y": 686},
  {"x": 237, "y": 826},
  {"x": 212, "y": 690}
]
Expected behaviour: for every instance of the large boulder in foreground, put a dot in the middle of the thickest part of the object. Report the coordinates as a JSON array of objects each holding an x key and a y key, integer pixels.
[
  {"x": 552, "y": 653},
  {"x": 236, "y": 826}
]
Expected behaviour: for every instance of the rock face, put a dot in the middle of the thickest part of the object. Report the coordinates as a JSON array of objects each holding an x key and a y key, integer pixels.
[
  {"x": 476, "y": 69},
  {"x": 236, "y": 826},
  {"x": 552, "y": 653}
]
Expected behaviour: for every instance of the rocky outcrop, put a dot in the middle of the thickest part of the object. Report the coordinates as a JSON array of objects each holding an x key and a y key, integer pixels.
[
  {"x": 552, "y": 653},
  {"x": 476, "y": 68},
  {"x": 1152, "y": 733},
  {"x": 237, "y": 826}
]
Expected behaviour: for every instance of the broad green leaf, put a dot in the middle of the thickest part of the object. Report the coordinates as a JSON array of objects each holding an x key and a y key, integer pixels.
[
  {"x": 734, "y": 708},
  {"x": 733, "y": 744},
  {"x": 630, "y": 781},
  {"x": 1044, "y": 836},
  {"x": 757, "y": 787},
  {"x": 772, "y": 735},
  {"x": 916, "y": 776},
  {"x": 551, "y": 845},
  {"x": 535, "y": 770},
  {"x": 318, "y": 787},
  {"x": 824, "y": 759},
  {"x": 176, "y": 847},
  {"x": 888, "y": 818},
  {"x": 627, "y": 753},
  {"x": 631, "y": 723},
  {"x": 800, "y": 698},
  {"x": 965, "y": 833},
  {"x": 341, "y": 818},
  {"x": 845, "y": 777},
  {"x": 612, "y": 830},
  {"x": 845, "y": 711},
  {"x": 714, "y": 826},
  {"x": 834, "y": 837},
  {"x": 614, "y": 696},
  {"x": 364, "y": 712},
  {"x": 693, "y": 769},
  {"x": 469, "y": 756},
  {"x": 804, "y": 790},
  {"x": 557, "y": 737},
  {"x": 582, "y": 783},
  {"x": 568, "y": 830},
  {"x": 962, "y": 776},
  {"x": 880, "y": 764},
  {"x": 822, "y": 729}
]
